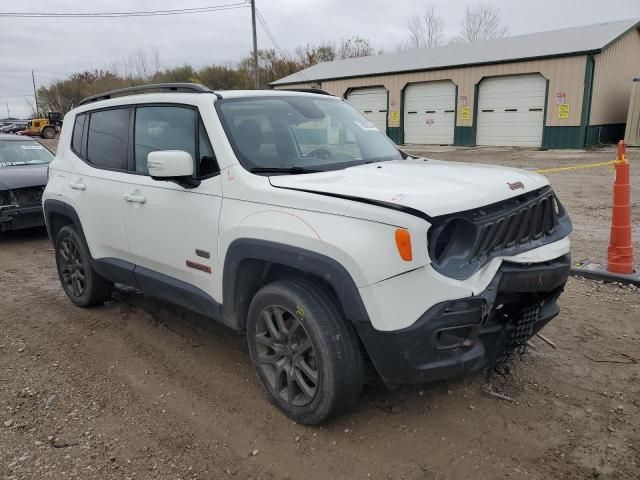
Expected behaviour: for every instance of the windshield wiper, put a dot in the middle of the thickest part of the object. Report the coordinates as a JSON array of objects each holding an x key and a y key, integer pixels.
[{"x": 284, "y": 170}]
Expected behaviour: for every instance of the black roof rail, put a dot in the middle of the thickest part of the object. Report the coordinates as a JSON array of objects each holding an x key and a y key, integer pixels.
[
  {"x": 172, "y": 87},
  {"x": 307, "y": 90}
]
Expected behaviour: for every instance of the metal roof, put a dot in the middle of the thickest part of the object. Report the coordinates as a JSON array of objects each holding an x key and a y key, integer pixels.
[{"x": 568, "y": 41}]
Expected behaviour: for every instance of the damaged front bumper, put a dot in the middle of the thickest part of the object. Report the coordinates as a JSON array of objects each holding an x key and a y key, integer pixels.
[
  {"x": 461, "y": 336},
  {"x": 14, "y": 217}
]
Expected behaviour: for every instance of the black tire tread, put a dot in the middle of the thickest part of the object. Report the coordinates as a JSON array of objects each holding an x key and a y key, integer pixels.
[{"x": 345, "y": 358}]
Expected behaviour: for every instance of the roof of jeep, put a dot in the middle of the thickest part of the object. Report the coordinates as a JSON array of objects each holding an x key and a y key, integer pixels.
[{"x": 177, "y": 97}]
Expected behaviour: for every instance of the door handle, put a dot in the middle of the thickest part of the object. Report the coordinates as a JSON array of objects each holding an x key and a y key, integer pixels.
[
  {"x": 77, "y": 185},
  {"x": 129, "y": 197}
]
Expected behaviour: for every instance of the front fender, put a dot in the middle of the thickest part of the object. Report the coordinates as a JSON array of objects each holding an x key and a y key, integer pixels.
[{"x": 304, "y": 260}]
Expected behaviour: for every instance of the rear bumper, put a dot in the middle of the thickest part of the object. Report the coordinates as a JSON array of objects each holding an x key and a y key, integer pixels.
[
  {"x": 17, "y": 217},
  {"x": 461, "y": 336}
]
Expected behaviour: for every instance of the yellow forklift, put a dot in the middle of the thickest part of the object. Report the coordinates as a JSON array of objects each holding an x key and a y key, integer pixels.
[{"x": 46, "y": 127}]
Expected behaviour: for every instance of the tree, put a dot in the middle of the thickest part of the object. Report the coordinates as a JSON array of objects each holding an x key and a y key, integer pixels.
[
  {"x": 482, "y": 22},
  {"x": 426, "y": 30},
  {"x": 311, "y": 54},
  {"x": 354, "y": 47}
]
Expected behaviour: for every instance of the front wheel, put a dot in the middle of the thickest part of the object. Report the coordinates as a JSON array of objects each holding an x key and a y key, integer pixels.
[{"x": 305, "y": 353}]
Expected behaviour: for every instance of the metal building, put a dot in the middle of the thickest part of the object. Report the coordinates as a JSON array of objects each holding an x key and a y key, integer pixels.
[{"x": 566, "y": 88}]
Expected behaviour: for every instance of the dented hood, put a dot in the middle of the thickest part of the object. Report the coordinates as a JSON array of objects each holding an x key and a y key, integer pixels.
[{"x": 433, "y": 187}]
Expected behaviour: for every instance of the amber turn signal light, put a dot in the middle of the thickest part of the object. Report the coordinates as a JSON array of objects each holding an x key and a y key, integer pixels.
[{"x": 403, "y": 242}]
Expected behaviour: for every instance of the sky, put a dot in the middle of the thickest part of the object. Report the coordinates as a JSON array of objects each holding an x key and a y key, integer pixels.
[{"x": 55, "y": 47}]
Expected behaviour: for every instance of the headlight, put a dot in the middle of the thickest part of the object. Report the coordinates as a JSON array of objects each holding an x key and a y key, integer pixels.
[{"x": 453, "y": 240}]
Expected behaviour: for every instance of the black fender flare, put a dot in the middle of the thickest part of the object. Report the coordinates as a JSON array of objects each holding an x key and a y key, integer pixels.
[
  {"x": 52, "y": 206},
  {"x": 300, "y": 259}
]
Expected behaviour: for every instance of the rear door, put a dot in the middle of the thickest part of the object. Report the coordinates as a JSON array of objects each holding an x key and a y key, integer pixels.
[
  {"x": 101, "y": 139},
  {"x": 173, "y": 229}
]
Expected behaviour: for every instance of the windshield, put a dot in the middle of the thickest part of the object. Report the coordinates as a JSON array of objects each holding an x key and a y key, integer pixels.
[
  {"x": 16, "y": 152},
  {"x": 301, "y": 134}
]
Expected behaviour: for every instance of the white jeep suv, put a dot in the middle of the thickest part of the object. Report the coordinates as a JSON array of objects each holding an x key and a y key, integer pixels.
[{"x": 290, "y": 218}]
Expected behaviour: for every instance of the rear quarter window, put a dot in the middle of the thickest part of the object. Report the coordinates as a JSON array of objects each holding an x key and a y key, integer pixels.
[{"x": 78, "y": 129}]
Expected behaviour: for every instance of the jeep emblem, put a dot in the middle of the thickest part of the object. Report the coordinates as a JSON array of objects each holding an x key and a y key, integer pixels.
[{"x": 516, "y": 185}]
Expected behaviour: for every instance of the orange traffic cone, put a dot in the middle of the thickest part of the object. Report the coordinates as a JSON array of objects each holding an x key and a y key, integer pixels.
[{"x": 620, "y": 252}]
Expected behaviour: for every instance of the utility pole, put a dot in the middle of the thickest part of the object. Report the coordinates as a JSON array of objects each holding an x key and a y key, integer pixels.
[
  {"x": 255, "y": 45},
  {"x": 8, "y": 112},
  {"x": 35, "y": 94}
]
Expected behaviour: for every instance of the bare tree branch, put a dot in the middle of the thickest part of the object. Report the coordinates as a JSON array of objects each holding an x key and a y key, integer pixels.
[
  {"x": 426, "y": 29},
  {"x": 482, "y": 22},
  {"x": 353, "y": 47}
]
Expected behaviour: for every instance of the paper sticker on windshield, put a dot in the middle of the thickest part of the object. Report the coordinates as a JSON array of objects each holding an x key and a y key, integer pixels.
[
  {"x": 32, "y": 147},
  {"x": 12, "y": 164},
  {"x": 367, "y": 126}
]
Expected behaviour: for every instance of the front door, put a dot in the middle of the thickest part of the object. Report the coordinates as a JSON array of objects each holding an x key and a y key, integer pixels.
[{"x": 173, "y": 229}]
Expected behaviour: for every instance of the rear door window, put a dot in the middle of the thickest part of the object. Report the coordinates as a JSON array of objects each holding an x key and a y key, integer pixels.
[{"x": 108, "y": 138}]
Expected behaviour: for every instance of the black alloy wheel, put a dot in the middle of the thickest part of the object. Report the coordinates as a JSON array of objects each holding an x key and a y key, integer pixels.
[
  {"x": 72, "y": 267},
  {"x": 82, "y": 284},
  {"x": 286, "y": 356}
]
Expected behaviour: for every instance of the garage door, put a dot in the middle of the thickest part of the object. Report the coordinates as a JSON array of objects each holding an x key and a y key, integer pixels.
[
  {"x": 429, "y": 113},
  {"x": 511, "y": 111},
  {"x": 372, "y": 102}
]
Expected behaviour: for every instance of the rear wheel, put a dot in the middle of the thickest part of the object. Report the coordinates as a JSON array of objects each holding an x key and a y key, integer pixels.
[
  {"x": 49, "y": 133},
  {"x": 80, "y": 281},
  {"x": 305, "y": 353}
]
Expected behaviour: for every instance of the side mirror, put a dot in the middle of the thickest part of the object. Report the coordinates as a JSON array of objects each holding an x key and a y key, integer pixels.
[{"x": 170, "y": 164}]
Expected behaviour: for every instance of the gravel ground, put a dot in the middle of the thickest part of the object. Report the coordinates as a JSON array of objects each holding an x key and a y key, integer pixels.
[{"x": 141, "y": 389}]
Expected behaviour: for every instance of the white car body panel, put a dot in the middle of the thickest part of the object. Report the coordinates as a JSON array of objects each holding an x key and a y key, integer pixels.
[{"x": 422, "y": 184}]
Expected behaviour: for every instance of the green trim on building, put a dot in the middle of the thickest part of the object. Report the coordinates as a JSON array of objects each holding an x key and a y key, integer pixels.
[
  {"x": 589, "y": 73},
  {"x": 544, "y": 114},
  {"x": 562, "y": 137},
  {"x": 395, "y": 134},
  {"x": 464, "y": 136},
  {"x": 401, "y": 127},
  {"x": 605, "y": 134}
]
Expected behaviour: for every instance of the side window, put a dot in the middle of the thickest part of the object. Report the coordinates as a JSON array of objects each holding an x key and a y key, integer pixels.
[
  {"x": 108, "y": 138},
  {"x": 78, "y": 129},
  {"x": 207, "y": 161},
  {"x": 163, "y": 128}
]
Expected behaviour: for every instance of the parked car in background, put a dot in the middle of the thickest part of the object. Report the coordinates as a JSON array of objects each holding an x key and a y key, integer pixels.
[
  {"x": 23, "y": 176},
  {"x": 14, "y": 127}
]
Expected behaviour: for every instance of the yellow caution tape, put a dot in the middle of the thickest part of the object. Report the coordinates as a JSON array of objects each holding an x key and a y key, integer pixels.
[{"x": 577, "y": 167}]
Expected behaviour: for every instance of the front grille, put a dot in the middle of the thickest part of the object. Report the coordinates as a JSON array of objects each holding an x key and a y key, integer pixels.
[
  {"x": 530, "y": 222},
  {"x": 24, "y": 196},
  {"x": 461, "y": 243}
]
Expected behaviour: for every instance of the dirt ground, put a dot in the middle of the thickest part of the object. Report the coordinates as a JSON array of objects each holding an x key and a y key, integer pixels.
[{"x": 140, "y": 389}]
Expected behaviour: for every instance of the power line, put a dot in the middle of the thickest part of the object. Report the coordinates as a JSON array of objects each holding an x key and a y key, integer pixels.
[
  {"x": 148, "y": 13},
  {"x": 266, "y": 29},
  {"x": 269, "y": 34}
]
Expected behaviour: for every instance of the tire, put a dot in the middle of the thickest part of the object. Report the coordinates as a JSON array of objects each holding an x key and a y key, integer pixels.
[
  {"x": 80, "y": 281},
  {"x": 294, "y": 328},
  {"x": 49, "y": 133}
]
